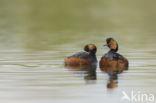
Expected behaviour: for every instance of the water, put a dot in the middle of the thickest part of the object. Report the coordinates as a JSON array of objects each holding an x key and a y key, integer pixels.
[{"x": 36, "y": 36}]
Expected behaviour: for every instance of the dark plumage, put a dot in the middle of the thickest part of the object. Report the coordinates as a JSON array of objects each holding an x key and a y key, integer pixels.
[{"x": 86, "y": 57}]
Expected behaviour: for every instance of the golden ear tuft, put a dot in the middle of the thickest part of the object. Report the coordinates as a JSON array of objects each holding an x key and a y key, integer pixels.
[
  {"x": 113, "y": 44},
  {"x": 91, "y": 47}
]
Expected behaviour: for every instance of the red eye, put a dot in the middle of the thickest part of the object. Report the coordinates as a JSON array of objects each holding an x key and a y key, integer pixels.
[{"x": 109, "y": 43}]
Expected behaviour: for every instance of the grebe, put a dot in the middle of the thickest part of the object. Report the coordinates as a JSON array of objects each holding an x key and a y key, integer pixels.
[
  {"x": 113, "y": 61},
  {"x": 87, "y": 57}
]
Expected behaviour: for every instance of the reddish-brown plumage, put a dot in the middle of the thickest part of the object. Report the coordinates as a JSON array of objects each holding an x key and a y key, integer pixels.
[
  {"x": 86, "y": 57},
  {"x": 78, "y": 67},
  {"x": 77, "y": 61},
  {"x": 113, "y": 65},
  {"x": 112, "y": 84}
]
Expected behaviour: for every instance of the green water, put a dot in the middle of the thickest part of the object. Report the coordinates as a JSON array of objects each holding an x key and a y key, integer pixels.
[{"x": 36, "y": 36}]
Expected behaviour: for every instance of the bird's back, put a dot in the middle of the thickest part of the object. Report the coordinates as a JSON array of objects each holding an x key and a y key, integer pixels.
[
  {"x": 82, "y": 55},
  {"x": 80, "y": 58}
]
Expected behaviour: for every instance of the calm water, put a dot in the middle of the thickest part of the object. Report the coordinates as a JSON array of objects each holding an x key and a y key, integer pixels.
[{"x": 36, "y": 36}]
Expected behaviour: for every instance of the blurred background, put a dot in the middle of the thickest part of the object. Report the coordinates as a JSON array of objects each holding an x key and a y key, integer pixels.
[
  {"x": 41, "y": 24},
  {"x": 36, "y": 36}
]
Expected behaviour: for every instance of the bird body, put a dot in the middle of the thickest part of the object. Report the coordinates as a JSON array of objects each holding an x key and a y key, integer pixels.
[
  {"x": 113, "y": 61},
  {"x": 86, "y": 57}
]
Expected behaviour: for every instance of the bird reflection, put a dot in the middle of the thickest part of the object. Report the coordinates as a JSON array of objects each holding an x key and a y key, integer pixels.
[
  {"x": 112, "y": 81},
  {"x": 113, "y": 75},
  {"x": 88, "y": 71}
]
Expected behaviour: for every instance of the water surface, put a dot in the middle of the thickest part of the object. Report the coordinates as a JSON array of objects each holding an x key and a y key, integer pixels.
[{"x": 36, "y": 36}]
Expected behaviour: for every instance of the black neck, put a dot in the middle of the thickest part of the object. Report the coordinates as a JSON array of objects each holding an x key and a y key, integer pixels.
[
  {"x": 114, "y": 50},
  {"x": 92, "y": 53},
  {"x": 93, "y": 56}
]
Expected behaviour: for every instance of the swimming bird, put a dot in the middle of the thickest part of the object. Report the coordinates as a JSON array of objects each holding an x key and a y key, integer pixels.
[
  {"x": 113, "y": 61},
  {"x": 86, "y": 57}
]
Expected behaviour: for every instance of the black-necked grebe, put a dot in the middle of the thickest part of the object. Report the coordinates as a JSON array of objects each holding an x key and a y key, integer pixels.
[
  {"x": 87, "y": 57},
  {"x": 113, "y": 61}
]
